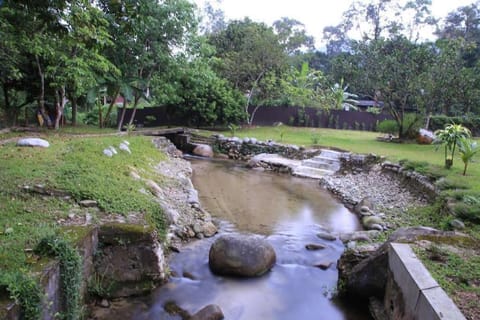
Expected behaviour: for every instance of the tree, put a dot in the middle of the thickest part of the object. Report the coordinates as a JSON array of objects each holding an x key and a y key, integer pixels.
[
  {"x": 146, "y": 33},
  {"x": 293, "y": 36},
  {"x": 450, "y": 87},
  {"x": 247, "y": 52},
  {"x": 450, "y": 137},
  {"x": 391, "y": 71},
  {"x": 341, "y": 98},
  {"x": 303, "y": 87}
]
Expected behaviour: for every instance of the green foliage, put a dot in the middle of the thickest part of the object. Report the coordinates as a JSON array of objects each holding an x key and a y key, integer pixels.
[
  {"x": 315, "y": 138},
  {"x": 467, "y": 149},
  {"x": 387, "y": 126},
  {"x": 25, "y": 290},
  {"x": 470, "y": 121},
  {"x": 204, "y": 98},
  {"x": 233, "y": 129},
  {"x": 449, "y": 137},
  {"x": 70, "y": 272},
  {"x": 92, "y": 117},
  {"x": 453, "y": 271}
]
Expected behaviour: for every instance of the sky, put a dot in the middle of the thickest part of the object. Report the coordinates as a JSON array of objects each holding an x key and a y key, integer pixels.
[{"x": 314, "y": 14}]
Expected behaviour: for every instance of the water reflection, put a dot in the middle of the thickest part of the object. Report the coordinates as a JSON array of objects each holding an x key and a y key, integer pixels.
[{"x": 262, "y": 202}]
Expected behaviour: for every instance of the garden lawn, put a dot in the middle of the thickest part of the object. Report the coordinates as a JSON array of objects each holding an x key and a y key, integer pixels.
[{"x": 365, "y": 142}]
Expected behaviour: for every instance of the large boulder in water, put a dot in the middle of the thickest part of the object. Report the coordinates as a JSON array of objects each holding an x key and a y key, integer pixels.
[
  {"x": 203, "y": 150},
  {"x": 241, "y": 255}
]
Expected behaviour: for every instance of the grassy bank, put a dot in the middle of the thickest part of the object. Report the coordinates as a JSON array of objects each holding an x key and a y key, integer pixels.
[{"x": 74, "y": 166}]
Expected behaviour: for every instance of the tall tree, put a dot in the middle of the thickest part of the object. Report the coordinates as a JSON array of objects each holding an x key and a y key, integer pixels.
[
  {"x": 146, "y": 34},
  {"x": 293, "y": 36},
  {"x": 247, "y": 52},
  {"x": 394, "y": 69}
]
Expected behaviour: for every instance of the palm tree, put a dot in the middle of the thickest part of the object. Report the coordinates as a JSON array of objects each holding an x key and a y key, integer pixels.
[
  {"x": 450, "y": 137},
  {"x": 467, "y": 149}
]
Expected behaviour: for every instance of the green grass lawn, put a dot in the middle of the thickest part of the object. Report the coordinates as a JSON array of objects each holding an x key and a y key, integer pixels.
[{"x": 365, "y": 142}]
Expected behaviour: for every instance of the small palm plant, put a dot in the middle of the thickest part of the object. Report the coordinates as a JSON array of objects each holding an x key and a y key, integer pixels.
[
  {"x": 450, "y": 137},
  {"x": 467, "y": 149}
]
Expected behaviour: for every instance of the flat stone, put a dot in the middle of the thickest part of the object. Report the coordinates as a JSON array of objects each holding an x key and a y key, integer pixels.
[
  {"x": 324, "y": 265},
  {"x": 409, "y": 273},
  {"x": 435, "y": 304},
  {"x": 88, "y": 203},
  {"x": 33, "y": 142},
  {"x": 314, "y": 246},
  {"x": 326, "y": 236}
]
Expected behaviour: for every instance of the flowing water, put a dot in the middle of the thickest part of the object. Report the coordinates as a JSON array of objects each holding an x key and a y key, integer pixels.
[{"x": 289, "y": 212}]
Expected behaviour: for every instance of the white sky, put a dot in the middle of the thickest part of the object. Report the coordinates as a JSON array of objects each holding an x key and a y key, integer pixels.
[{"x": 314, "y": 14}]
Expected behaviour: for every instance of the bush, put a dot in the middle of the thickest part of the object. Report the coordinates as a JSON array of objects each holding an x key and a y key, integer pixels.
[
  {"x": 91, "y": 117},
  {"x": 388, "y": 126},
  {"x": 467, "y": 212},
  {"x": 468, "y": 121}
]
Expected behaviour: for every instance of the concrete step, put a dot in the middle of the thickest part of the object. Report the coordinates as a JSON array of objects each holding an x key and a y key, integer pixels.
[
  {"x": 332, "y": 154},
  {"x": 329, "y": 164},
  {"x": 308, "y": 172}
]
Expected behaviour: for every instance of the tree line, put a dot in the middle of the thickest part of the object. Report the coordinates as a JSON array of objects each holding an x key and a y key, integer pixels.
[{"x": 69, "y": 60}]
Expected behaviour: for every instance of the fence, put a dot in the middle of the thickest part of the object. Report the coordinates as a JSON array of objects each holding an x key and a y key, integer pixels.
[{"x": 295, "y": 116}]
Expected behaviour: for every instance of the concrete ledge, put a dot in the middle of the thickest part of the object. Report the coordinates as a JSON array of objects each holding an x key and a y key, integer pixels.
[{"x": 423, "y": 297}]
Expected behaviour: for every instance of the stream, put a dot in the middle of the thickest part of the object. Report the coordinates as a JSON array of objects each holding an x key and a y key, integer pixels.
[{"x": 289, "y": 212}]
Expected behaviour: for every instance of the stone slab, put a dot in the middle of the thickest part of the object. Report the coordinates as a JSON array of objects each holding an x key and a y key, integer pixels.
[
  {"x": 435, "y": 304},
  {"x": 423, "y": 297}
]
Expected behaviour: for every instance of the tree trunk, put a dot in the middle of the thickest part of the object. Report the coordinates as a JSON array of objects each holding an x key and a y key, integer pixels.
[
  {"x": 122, "y": 117},
  {"x": 465, "y": 168},
  {"x": 74, "y": 111},
  {"x": 109, "y": 110},
  {"x": 134, "y": 111},
  {"x": 100, "y": 116},
  {"x": 59, "y": 106},
  {"x": 41, "y": 97},
  {"x": 252, "y": 116}
]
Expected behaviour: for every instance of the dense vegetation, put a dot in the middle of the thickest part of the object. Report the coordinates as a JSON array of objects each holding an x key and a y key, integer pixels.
[{"x": 69, "y": 60}]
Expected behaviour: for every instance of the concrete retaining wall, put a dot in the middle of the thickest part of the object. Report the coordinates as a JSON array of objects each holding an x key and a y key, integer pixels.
[{"x": 419, "y": 297}]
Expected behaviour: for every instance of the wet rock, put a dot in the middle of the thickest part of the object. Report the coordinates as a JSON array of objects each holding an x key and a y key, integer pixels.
[
  {"x": 324, "y": 265},
  {"x": 372, "y": 223},
  {"x": 33, "y": 142},
  {"x": 210, "y": 312},
  {"x": 241, "y": 255},
  {"x": 326, "y": 236},
  {"x": 172, "y": 308},
  {"x": 203, "y": 150},
  {"x": 364, "y": 207},
  {"x": 359, "y": 236},
  {"x": 209, "y": 229},
  {"x": 314, "y": 246},
  {"x": 189, "y": 275}
]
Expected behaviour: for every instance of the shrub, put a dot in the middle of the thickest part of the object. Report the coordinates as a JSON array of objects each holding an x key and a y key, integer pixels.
[
  {"x": 469, "y": 121},
  {"x": 387, "y": 126}
]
